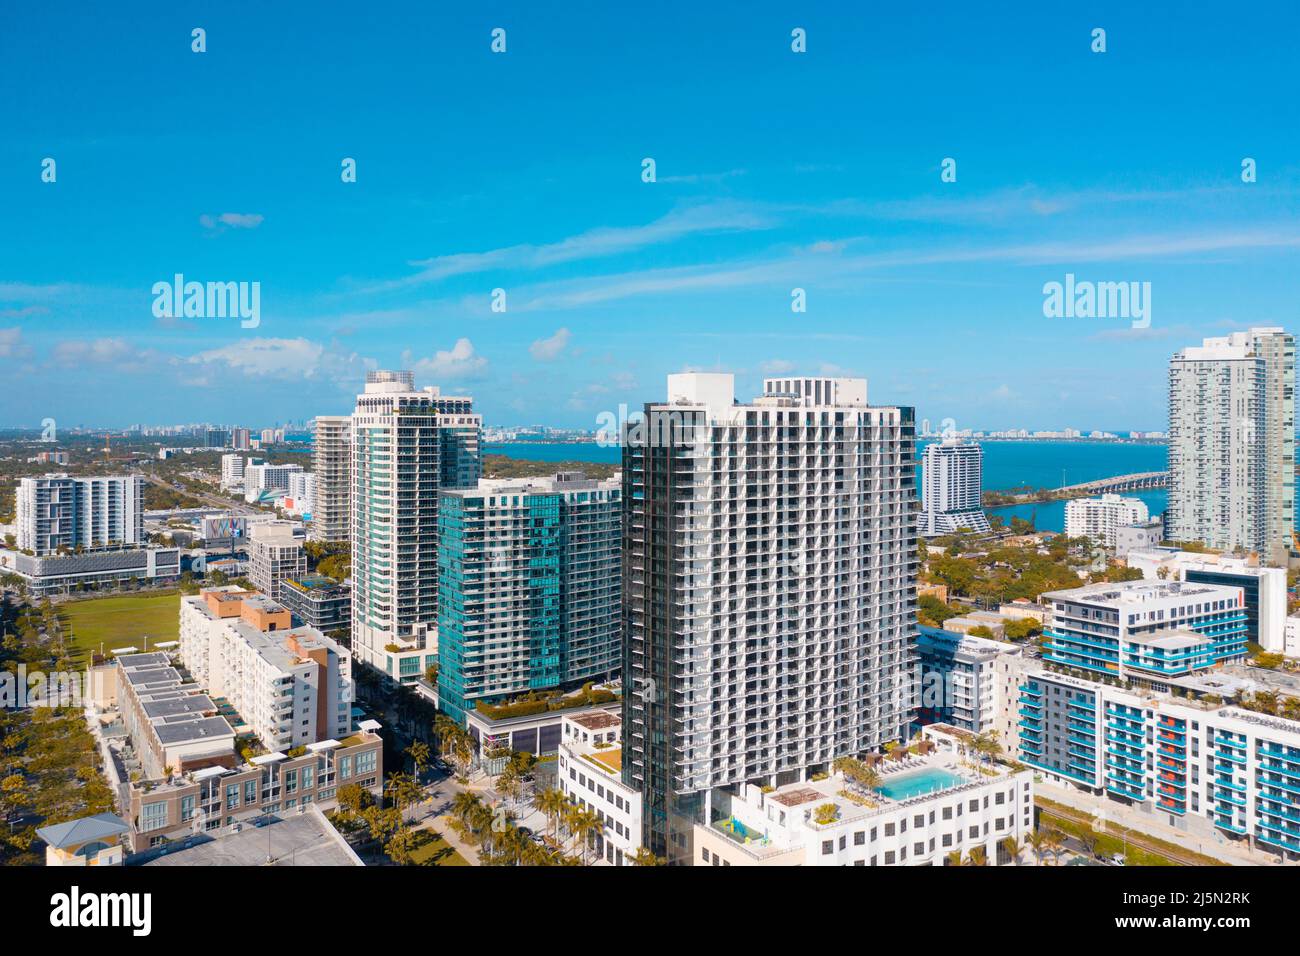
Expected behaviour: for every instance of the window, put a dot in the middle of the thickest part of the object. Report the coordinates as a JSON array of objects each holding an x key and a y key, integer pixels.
[
  {"x": 187, "y": 808},
  {"x": 153, "y": 816},
  {"x": 250, "y": 791},
  {"x": 859, "y": 838},
  {"x": 367, "y": 762},
  {"x": 828, "y": 846},
  {"x": 232, "y": 796}
]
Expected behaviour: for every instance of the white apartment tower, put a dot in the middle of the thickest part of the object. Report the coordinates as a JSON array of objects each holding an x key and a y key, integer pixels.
[
  {"x": 232, "y": 471},
  {"x": 275, "y": 552},
  {"x": 768, "y": 589},
  {"x": 1099, "y": 518},
  {"x": 1232, "y": 442},
  {"x": 59, "y": 511},
  {"x": 406, "y": 445},
  {"x": 332, "y": 461},
  {"x": 291, "y": 685},
  {"x": 951, "y": 477}
]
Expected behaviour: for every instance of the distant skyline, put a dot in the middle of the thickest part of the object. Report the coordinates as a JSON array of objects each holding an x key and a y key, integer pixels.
[{"x": 522, "y": 171}]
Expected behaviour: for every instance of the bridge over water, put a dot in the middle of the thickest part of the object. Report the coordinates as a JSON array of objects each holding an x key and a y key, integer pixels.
[{"x": 1139, "y": 481}]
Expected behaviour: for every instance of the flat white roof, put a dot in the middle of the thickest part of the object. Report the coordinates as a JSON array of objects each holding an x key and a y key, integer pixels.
[
  {"x": 207, "y": 772},
  {"x": 323, "y": 745},
  {"x": 268, "y": 758},
  {"x": 369, "y": 725}
]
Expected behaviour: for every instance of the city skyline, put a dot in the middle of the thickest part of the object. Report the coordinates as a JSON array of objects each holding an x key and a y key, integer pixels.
[{"x": 478, "y": 171}]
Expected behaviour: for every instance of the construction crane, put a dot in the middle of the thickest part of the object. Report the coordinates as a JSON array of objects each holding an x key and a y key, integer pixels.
[{"x": 108, "y": 446}]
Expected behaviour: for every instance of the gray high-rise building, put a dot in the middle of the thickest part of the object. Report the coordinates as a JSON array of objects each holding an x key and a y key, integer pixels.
[
  {"x": 769, "y": 590},
  {"x": 1232, "y": 443},
  {"x": 332, "y": 463}
]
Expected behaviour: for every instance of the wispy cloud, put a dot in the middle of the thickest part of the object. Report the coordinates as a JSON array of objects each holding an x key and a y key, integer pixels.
[
  {"x": 592, "y": 244},
  {"x": 230, "y": 220}
]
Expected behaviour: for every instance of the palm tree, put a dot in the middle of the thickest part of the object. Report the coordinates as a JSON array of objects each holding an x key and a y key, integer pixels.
[
  {"x": 1055, "y": 843},
  {"x": 405, "y": 791},
  {"x": 645, "y": 857},
  {"x": 419, "y": 754},
  {"x": 1038, "y": 843},
  {"x": 1011, "y": 846},
  {"x": 463, "y": 805},
  {"x": 978, "y": 856},
  {"x": 953, "y": 858},
  {"x": 551, "y": 802},
  {"x": 587, "y": 825}
]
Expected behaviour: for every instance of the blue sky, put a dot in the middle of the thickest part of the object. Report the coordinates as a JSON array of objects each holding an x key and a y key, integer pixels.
[{"x": 522, "y": 171}]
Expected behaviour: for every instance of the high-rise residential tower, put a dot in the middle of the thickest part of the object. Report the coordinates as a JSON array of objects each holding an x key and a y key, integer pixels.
[
  {"x": 332, "y": 464},
  {"x": 59, "y": 511},
  {"x": 769, "y": 590},
  {"x": 407, "y": 444},
  {"x": 529, "y": 590},
  {"x": 951, "y": 474},
  {"x": 1232, "y": 442}
]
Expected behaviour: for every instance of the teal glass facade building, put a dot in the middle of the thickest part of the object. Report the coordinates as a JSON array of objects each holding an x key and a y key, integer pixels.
[{"x": 530, "y": 589}]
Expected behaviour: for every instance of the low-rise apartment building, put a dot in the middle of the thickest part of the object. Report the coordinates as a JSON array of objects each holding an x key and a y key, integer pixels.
[
  {"x": 1264, "y": 588},
  {"x": 959, "y": 678},
  {"x": 1146, "y": 630},
  {"x": 924, "y": 810},
  {"x": 1194, "y": 764},
  {"x": 590, "y": 773},
  {"x": 224, "y": 799},
  {"x": 317, "y": 601},
  {"x": 172, "y": 724}
]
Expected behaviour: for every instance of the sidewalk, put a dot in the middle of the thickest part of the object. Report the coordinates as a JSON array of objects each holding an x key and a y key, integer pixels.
[
  {"x": 1235, "y": 854},
  {"x": 441, "y": 825}
]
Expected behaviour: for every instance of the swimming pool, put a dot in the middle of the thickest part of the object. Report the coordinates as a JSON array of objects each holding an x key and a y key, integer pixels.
[{"x": 922, "y": 781}]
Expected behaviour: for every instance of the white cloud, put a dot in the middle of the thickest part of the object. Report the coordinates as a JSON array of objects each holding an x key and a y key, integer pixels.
[
  {"x": 11, "y": 342},
  {"x": 594, "y": 243},
  {"x": 232, "y": 220},
  {"x": 460, "y": 361},
  {"x": 282, "y": 359},
  {"x": 74, "y": 352},
  {"x": 549, "y": 349},
  {"x": 776, "y": 367}
]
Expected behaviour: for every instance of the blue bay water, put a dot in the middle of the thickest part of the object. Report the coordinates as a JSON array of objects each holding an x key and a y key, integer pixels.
[{"x": 1007, "y": 464}]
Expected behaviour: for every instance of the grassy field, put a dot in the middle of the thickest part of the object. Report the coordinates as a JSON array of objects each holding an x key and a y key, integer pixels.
[
  {"x": 120, "y": 622},
  {"x": 435, "y": 851}
]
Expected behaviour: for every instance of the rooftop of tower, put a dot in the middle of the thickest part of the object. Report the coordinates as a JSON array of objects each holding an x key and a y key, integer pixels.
[{"x": 717, "y": 391}]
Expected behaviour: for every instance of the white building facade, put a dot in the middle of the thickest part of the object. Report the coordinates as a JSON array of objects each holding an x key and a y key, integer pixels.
[
  {"x": 1232, "y": 442},
  {"x": 589, "y": 773},
  {"x": 1100, "y": 518},
  {"x": 59, "y": 511},
  {"x": 407, "y": 444},
  {"x": 292, "y": 686},
  {"x": 951, "y": 476}
]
